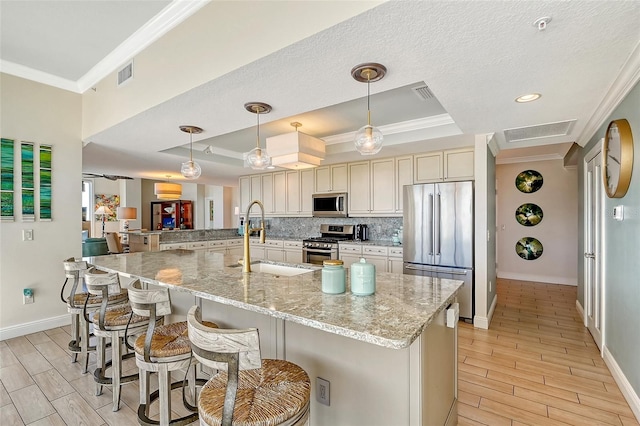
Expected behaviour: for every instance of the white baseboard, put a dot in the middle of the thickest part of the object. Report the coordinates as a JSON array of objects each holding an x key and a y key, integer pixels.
[
  {"x": 492, "y": 309},
  {"x": 625, "y": 387},
  {"x": 481, "y": 322},
  {"x": 34, "y": 326},
  {"x": 538, "y": 278},
  {"x": 580, "y": 310}
]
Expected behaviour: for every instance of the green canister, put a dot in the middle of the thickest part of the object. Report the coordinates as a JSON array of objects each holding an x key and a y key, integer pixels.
[
  {"x": 363, "y": 278},
  {"x": 333, "y": 276}
]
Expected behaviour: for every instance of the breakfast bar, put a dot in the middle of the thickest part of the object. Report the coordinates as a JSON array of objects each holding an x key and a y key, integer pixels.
[{"x": 389, "y": 358}]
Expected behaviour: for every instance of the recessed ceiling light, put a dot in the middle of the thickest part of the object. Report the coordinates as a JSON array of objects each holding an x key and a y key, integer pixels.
[{"x": 529, "y": 97}]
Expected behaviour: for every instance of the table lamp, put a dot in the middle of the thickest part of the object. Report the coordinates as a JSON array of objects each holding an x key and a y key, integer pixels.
[
  {"x": 125, "y": 214},
  {"x": 103, "y": 211}
]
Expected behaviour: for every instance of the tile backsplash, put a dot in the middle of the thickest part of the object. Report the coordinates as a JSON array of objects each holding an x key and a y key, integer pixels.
[{"x": 380, "y": 228}]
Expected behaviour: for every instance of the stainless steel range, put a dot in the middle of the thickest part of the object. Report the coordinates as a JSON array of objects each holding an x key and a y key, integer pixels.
[{"x": 317, "y": 249}]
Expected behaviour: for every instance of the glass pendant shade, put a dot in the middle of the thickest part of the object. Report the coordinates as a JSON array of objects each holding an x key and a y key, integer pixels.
[
  {"x": 368, "y": 140},
  {"x": 190, "y": 170},
  {"x": 258, "y": 159}
]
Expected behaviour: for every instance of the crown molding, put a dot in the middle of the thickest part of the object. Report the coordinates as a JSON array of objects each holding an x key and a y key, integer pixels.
[
  {"x": 172, "y": 15},
  {"x": 528, "y": 159},
  {"x": 627, "y": 78},
  {"x": 401, "y": 127},
  {"x": 21, "y": 71},
  {"x": 492, "y": 143}
]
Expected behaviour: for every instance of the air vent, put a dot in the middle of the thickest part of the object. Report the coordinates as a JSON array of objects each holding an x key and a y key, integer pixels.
[
  {"x": 422, "y": 92},
  {"x": 549, "y": 130},
  {"x": 125, "y": 74}
]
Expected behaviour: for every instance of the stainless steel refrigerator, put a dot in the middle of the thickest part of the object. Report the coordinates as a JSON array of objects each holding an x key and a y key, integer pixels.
[{"x": 438, "y": 235}]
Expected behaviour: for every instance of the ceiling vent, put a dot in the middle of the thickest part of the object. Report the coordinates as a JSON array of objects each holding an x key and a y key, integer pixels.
[
  {"x": 422, "y": 92},
  {"x": 521, "y": 134},
  {"x": 125, "y": 74}
]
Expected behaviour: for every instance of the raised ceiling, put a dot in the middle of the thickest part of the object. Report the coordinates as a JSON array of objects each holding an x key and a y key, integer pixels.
[{"x": 475, "y": 57}]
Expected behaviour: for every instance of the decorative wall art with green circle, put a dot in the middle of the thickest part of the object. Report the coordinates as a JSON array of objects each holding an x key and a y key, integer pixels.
[
  {"x": 529, "y": 248},
  {"x": 529, "y": 181},
  {"x": 529, "y": 214}
]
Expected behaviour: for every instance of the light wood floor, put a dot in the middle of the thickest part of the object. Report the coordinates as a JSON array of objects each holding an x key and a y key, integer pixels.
[{"x": 536, "y": 365}]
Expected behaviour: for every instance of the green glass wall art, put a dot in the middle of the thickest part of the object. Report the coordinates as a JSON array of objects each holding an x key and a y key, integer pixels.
[
  {"x": 529, "y": 181},
  {"x": 529, "y": 214},
  {"x": 6, "y": 179},
  {"x": 45, "y": 182},
  {"x": 529, "y": 248},
  {"x": 28, "y": 182}
]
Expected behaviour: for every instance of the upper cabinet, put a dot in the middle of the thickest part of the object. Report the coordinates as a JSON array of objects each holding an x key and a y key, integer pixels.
[
  {"x": 374, "y": 187},
  {"x": 451, "y": 165},
  {"x": 331, "y": 178},
  {"x": 175, "y": 214}
]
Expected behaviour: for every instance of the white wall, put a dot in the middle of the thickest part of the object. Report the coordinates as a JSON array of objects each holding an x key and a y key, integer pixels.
[
  {"x": 41, "y": 114},
  {"x": 558, "y": 230}
]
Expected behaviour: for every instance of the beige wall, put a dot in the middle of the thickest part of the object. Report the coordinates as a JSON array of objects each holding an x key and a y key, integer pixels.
[
  {"x": 558, "y": 231},
  {"x": 41, "y": 114}
]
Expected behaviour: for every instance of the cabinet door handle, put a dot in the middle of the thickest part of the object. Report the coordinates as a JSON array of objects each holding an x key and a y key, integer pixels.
[{"x": 590, "y": 255}]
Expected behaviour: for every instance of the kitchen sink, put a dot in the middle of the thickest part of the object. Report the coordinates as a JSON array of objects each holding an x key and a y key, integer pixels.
[{"x": 275, "y": 269}]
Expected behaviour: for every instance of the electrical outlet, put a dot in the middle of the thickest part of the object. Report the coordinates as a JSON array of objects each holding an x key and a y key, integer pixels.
[
  {"x": 27, "y": 296},
  {"x": 27, "y": 235},
  {"x": 323, "y": 391}
]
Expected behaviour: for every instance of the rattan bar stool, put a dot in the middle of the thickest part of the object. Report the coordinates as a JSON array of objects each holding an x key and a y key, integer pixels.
[
  {"x": 111, "y": 323},
  {"x": 76, "y": 302},
  {"x": 248, "y": 390},
  {"x": 162, "y": 349}
]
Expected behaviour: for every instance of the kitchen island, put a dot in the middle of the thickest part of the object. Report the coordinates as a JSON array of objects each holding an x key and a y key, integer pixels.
[{"x": 389, "y": 357}]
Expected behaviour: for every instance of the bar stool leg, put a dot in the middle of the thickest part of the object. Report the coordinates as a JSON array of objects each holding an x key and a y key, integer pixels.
[
  {"x": 164, "y": 383},
  {"x": 84, "y": 344},
  {"x": 75, "y": 333},
  {"x": 143, "y": 383},
  {"x": 100, "y": 362},
  {"x": 116, "y": 369}
]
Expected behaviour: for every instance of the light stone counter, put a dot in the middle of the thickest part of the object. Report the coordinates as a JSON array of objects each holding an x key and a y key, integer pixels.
[{"x": 402, "y": 307}]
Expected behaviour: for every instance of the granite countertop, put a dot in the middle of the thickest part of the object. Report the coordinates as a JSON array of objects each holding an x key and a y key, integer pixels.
[
  {"x": 402, "y": 307},
  {"x": 382, "y": 243}
]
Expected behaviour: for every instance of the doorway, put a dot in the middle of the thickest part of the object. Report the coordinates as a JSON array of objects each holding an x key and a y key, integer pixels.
[{"x": 593, "y": 257}]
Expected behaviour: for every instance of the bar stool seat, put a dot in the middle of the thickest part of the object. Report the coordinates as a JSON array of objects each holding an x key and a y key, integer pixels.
[
  {"x": 275, "y": 394},
  {"x": 111, "y": 323},
  {"x": 247, "y": 390},
  {"x": 162, "y": 349},
  {"x": 76, "y": 302}
]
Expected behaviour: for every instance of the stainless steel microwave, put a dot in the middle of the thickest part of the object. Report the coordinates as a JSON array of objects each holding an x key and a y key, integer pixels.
[{"x": 333, "y": 204}]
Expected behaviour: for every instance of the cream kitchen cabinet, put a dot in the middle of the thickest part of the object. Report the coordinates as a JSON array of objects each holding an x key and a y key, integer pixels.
[
  {"x": 428, "y": 167},
  {"x": 383, "y": 186},
  {"x": 458, "y": 164},
  {"x": 257, "y": 250},
  {"x": 395, "y": 260},
  {"x": 172, "y": 246},
  {"x": 267, "y": 193},
  {"x": 279, "y": 193},
  {"x": 377, "y": 255},
  {"x": 404, "y": 176},
  {"x": 359, "y": 188},
  {"x": 197, "y": 245},
  {"x": 299, "y": 187},
  {"x": 293, "y": 251},
  {"x": 450, "y": 165},
  {"x": 235, "y": 246},
  {"x": 372, "y": 188},
  {"x": 250, "y": 189},
  {"x": 217, "y": 246},
  {"x": 331, "y": 178},
  {"x": 274, "y": 250},
  {"x": 349, "y": 253}
]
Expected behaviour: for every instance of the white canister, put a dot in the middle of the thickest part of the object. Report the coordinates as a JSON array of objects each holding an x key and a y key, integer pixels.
[{"x": 363, "y": 278}]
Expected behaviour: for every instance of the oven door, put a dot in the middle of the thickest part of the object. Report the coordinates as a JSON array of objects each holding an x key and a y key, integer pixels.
[{"x": 317, "y": 255}]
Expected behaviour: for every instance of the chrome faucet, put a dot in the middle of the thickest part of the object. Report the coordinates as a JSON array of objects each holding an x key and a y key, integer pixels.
[{"x": 246, "y": 264}]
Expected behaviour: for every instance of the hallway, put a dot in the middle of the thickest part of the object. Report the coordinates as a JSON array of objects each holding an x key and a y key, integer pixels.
[{"x": 536, "y": 365}]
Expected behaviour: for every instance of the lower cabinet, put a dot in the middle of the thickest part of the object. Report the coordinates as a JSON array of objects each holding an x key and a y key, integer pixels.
[{"x": 385, "y": 259}]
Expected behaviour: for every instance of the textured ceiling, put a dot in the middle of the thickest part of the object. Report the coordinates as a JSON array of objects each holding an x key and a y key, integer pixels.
[{"x": 476, "y": 57}]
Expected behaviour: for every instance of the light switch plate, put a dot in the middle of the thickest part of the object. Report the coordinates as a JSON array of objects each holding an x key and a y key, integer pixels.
[{"x": 618, "y": 212}]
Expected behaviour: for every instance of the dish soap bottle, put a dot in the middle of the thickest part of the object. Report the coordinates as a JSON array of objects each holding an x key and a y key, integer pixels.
[{"x": 363, "y": 278}]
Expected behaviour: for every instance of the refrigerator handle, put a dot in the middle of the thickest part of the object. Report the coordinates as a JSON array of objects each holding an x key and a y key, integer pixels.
[
  {"x": 432, "y": 242},
  {"x": 438, "y": 225}
]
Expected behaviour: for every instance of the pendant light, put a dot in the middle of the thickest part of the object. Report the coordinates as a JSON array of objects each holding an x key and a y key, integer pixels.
[
  {"x": 190, "y": 169},
  {"x": 258, "y": 158},
  {"x": 368, "y": 139},
  {"x": 167, "y": 190}
]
